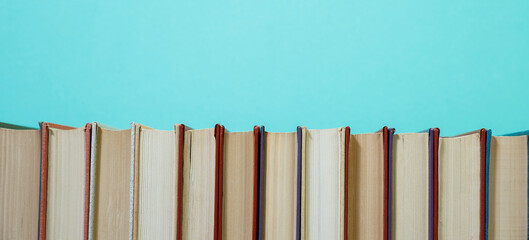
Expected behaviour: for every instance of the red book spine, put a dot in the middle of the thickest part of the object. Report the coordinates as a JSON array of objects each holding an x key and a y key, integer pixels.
[
  {"x": 255, "y": 180},
  {"x": 435, "y": 184},
  {"x": 346, "y": 180},
  {"x": 483, "y": 143},
  {"x": 386, "y": 180},
  {"x": 219, "y": 145},
  {"x": 43, "y": 182},
  {"x": 180, "y": 181}
]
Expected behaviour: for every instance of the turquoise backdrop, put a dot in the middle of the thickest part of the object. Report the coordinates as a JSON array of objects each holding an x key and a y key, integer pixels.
[{"x": 409, "y": 64}]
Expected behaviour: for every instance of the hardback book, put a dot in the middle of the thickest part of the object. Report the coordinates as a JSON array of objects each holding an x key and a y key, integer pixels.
[
  {"x": 19, "y": 182},
  {"x": 463, "y": 186},
  {"x": 323, "y": 189},
  {"x": 369, "y": 185},
  {"x": 155, "y": 180},
  {"x": 110, "y": 170},
  {"x": 508, "y": 205},
  {"x": 238, "y": 172},
  {"x": 200, "y": 183},
  {"x": 64, "y": 181},
  {"x": 414, "y": 185},
  {"x": 278, "y": 185}
]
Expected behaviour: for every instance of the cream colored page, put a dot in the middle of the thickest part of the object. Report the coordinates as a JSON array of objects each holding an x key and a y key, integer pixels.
[
  {"x": 366, "y": 187},
  {"x": 508, "y": 188},
  {"x": 157, "y": 185},
  {"x": 19, "y": 183},
  {"x": 199, "y": 184},
  {"x": 410, "y": 186},
  {"x": 66, "y": 184},
  {"x": 280, "y": 186},
  {"x": 238, "y": 185},
  {"x": 112, "y": 184},
  {"x": 324, "y": 164},
  {"x": 459, "y": 187}
]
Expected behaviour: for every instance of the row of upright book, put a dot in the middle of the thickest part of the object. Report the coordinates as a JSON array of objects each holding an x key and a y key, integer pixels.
[{"x": 97, "y": 182}]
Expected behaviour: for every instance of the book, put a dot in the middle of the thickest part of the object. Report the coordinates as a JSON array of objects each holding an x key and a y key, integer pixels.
[
  {"x": 154, "y": 179},
  {"x": 199, "y": 183},
  {"x": 462, "y": 186},
  {"x": 239, "y": 186},
  {"x": 97, "y": 182},
  {"x": 64, "y": 181},
  {"x": 508, "y": 187},
  {"x": 414, "y": 185},
  {"x": 369, "y": 185},
  {"x": 19, "y": 182},
  {"x": 110, "y": 164},
  {"x": 278, "y": 184},
  {"x": 323, "y": 173}
]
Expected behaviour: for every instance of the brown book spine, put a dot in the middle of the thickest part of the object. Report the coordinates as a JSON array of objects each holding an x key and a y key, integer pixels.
[
  {"x": 482, "y": 219},
  {"x": 255, "y": 180},
  {"x": 221, "y": 177},
  {"x": 219, "y": 145},
  {"x": 435, "y": 183},
  {"x": 346, "y": 187},
  {"x": 180, "y": 180},
  {"x": 385, "y": 134},
  {"x": 216, "y": 208},
  {"x": 43, "y": 181}
]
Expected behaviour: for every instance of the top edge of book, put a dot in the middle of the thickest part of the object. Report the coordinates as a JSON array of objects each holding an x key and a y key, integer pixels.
[
  {"x": 144, "y": 127},
  {"x": 465, "y": 134},
  {"x": 517, "y": 134},
  {"x": 15, "y": 127}
]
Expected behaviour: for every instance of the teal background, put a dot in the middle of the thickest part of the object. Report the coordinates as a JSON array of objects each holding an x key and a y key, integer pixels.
[{"x": 410, "y": 64}]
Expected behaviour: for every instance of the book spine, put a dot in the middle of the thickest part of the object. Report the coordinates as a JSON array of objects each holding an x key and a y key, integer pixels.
[
  {"x": 219, "y": 145},
  {"x": 391, "y": 131},
  {"x": 487, "y": 168},
  {"x": 180, "y": 129},
  {"x": 433, "y": 158},
  {"x": 88, "y": 146},
  {"x": 386, "y": 167},
  {"x": 255, "y": 182},
  {"x": 436, "y": 185},
  {"x": 346, "y": 180},
  {"x": 93, "y": 164},
  {"x": 134, "y": 135},
  {"x": 483, "y": 143},
  {"x": 261, "y": 182},
  {"x": 299, "y": 180},
  {"x": 43, "y": 181}
]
